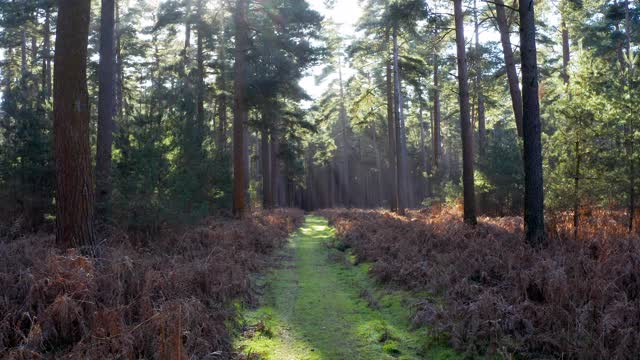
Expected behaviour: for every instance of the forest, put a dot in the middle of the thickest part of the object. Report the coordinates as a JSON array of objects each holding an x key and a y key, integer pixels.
[{"x": 319, "y": 179}]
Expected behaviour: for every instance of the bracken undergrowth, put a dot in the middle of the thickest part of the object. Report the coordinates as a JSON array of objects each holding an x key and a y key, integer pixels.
[
  {"x": 493, "y": 295},
  {"x": 168, "y": 299}
]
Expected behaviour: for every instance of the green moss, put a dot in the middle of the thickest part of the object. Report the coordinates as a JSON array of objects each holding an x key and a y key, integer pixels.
[
  {"x": 392, "y": 348},
  {"x": 316, "y": 308}
]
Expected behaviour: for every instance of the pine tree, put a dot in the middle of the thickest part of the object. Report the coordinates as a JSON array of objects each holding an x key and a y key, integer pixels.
[{"x": 74, "y": 195}]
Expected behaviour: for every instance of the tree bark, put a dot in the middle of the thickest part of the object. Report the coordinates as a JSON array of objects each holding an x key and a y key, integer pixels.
[
  {"x": 437, "y": 115},
  {"x": 423, "y": 146},
  {"x": 630, "y": 128},
  {"x": 265, "y": 151},
  {"x": 241, "y": 111},
  {"x": 200, "y": 88},
  {"x": 345, "y": 191},
  {"x": 23, "y": 55},
  {"x": 74, "y": 195},
  {"x": 401, "y": 164},
  {"x": 566, "y": 54},
  {"x": 221, "y": 140},
  {"x": 187, "y": 32},
  {"x": 376, "y": 150},
  {"x": 482, "y": 132},
  {"x": 532, "y": 128},
  {"x": 46, "y": 62},
  {"x": 465, "y": 119},
  {"x": 576, "y": 190},
  {"x": 105, "y": 108},
  {"x": 275, "y": 166},
  {"x": 393, "y": 203},
  {"x": 510, "y": 64},
  {"x": 119, "y": 98},
  {"x": 8, "y": 75}
]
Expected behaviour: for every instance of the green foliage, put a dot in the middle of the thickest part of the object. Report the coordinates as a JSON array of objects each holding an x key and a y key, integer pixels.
[{"x": 500, "y": 179}]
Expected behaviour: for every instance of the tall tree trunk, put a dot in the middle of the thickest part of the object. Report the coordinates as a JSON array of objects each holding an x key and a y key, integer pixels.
[
  {"x": 248, "y": 140},
  {"x": 393, "y": 202},
  {"x": 379, "y": 169},
  {"x": 566, "y": 54},
  {"x": 345, "y": 191},
  {"x": 265, "y": 151},
  {"x": 576, "y": 190},
  {"x": 74, "y": 195},
  {"x": 8, "y": 75},
  {"x": 241, "y": 110},
  {"x": 187, "y": 32},
  {"x": 510, "y": 64},
  {"x": 630, "y": 128},
  {"x": 465, "y": 119},
  {"x": 105, "y": 108},
  {"x": 275, "y": 165},
  {"x": 566, "y": 57},
  {"x": 34, "y": 50},
  {"x": 23, "y": 54},
  {"x": 222, "y": 96},
  {"x": 401, "y": 164},
  {"x": 437, "y": 115},
  {"x": 310, "y": 199},
  {"x": 119, "y": 98},
  {"x": 200, "y": 88},
  {"x": 482, "y": 131},
  {"x": 532, "y": 128},
  {"x": 423, "y": 147},
  {"x": 46, "y": 61}
]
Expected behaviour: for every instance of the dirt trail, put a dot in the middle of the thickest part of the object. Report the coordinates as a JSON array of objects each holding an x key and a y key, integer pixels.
[{"x": 318, "y": 305}]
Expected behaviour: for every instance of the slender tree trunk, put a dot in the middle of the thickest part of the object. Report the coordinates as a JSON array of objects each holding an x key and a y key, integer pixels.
[
  {"x": 437, "y": 115},
  {"x": 105, "y": 108},
  {"x": 119, "y": 98},
  {"x": 576, "y": 190},
  {"x": 401, "y": 172},
  {"x": 34, "y": 51},
  {"x": 566, "y": 54},
  {"x": 23, "y": 54},
  {"x": 222, "y": 97},
  {"x": 465, "y": 119},
  {"x": 423, "y": 146},
  {"x": 345, "y": 191},
  {"x": 187, "y": 32},
  {"x": 46, "y": 62},
  {"x": 630, "y": 128},
  {"x": 566, "y": 57},
  {"x": 310, "y": 202},
  {"x": 482, "y": 131},
  {"x": 393, "y": 203},
  {"x": 510, "y": 64},
  {"x": 379, "y": 169},
  {"x": 74, "y": 195},
  {"x": 241, "y": 111},
  {"x": 275, "y": 165},
  {"x": 8, "y": 75},
  {"x": 200, "y": 89},
  {"x": 532, "y": 128}
]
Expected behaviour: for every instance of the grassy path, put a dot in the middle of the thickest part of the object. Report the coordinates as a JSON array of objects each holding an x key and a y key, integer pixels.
[{"x": 319, "y": 306}]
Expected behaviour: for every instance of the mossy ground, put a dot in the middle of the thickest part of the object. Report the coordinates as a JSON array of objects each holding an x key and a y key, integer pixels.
[{"x": 319, "y": 305}]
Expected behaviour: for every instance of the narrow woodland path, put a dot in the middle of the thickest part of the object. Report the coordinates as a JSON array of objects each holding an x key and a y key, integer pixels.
[{"x": 319, "y": 305}]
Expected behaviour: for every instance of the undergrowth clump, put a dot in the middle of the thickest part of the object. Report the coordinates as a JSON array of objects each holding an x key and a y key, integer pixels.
[
  {"x": 495, "y": 295},
  {"x": 168, "y": 299}
]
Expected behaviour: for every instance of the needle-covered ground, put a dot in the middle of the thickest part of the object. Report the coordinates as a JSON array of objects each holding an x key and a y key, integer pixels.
[{"x": 319, "y": 305}]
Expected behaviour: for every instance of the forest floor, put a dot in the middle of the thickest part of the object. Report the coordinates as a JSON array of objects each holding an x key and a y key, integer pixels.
[{"x": 318, "y": 304}]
